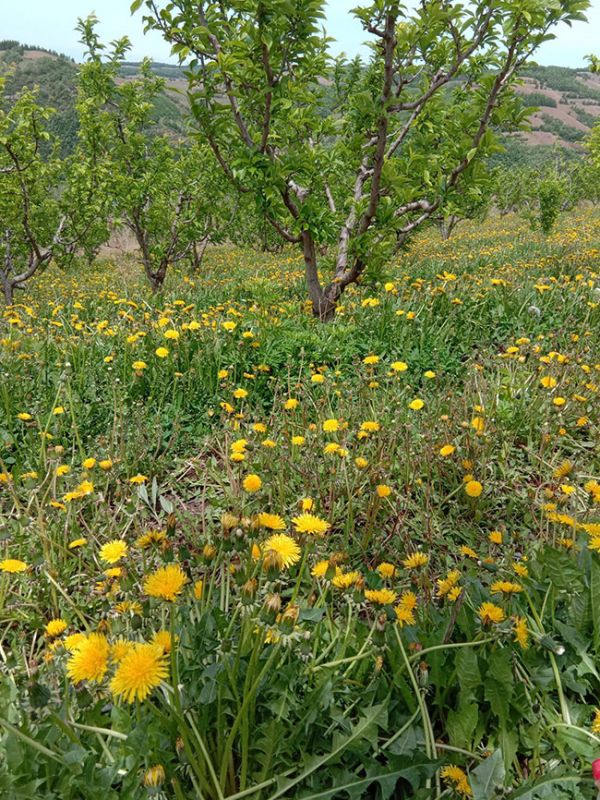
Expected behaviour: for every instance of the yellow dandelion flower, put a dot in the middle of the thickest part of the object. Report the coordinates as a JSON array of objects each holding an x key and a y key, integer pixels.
[
  {"x": 386, "y": 570},
  {"x": 331, "y": 425},
  {"x": 163, "y": 640},
  {"x": 281, "y": 551},
  {"x": 458, "y": 778},
  {"x": 416, "y": 405},
  {"x": 447, "y": 450},
  {"x": 166, "y": 583},
  {"x": 55, "y": 627},
  {"x": 113, "y": 551},
  {"x": 521, "y": 632},
  {"x": 416, "y": 561},
  {"x": 141, "y": 671},
  {"x": 13, "y": 565},
  {"x": 271, "y": 521},
  {"x": 309, "y": 523},
  {"x": 473, "y": 488},
  {"x": 381, "y": 597},
  {"x": 252, "y": 483},
  {"x": 490, "y": 613},
  {"x": 89, "y": 660},
  {"x": 383, "y": 490},
  {"x": 399, "y": 366},
  {"x": 346, "y": 580}
]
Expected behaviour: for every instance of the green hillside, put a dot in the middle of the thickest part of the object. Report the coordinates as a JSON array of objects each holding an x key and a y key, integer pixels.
[
  {"x": 565, "y": 102},
  {"x": 55, "y": 76}
]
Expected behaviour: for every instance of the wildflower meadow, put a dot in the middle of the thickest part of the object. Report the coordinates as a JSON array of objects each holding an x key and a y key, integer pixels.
[{"x": 244, "y": 555}]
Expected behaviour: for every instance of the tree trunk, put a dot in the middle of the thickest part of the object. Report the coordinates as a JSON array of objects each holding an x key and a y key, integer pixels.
[
  {"x": 324, "y": 302},
  {"x": 8, "y": 291},
  {"x": 447, "y": 225},
  {"x": 198, "y": 251}
]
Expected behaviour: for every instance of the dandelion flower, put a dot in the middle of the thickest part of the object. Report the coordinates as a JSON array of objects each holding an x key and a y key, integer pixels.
[
  {"x": 346, "y": 580},
  {"x": 415, "y": 561},
  {"x": 458, "y": 778},
  {"x": 141, "y": 671},
  {"x": 163, "y": 640},
  {"x": 12, "y": 565},
  {"x": 309, "y": 523},
  {"x": 490, "y": 613},
  {"x": 114, "y": 551},
  {"x": 447, "y": 450},
  {"x": 399, "y": 366},
  {"x": 55, "y": 627},
  {"x": 386, "y": 570},
  {"x": 252, "y": 483},
  {"x": 521, "y": 632},
  {"x": 76, "y": 543},
  {"x": 271, "y": 521},
  {"x": 505, "y": 587},
  {"x": 281, "y": 551},
  {"x": 166, "y": 583},
  {"x": 89, "y": 661},
  {"x": 473, "y": 488},
  {"x": 381, "y": 597},
  {"x": 416, "y": 404},
  {"x": 331, "y": 425}
]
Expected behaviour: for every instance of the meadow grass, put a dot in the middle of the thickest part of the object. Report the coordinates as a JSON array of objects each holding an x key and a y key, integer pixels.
[{"x": 362, "y": 557}]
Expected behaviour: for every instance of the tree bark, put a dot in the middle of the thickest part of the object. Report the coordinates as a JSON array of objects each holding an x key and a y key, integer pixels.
[
  {"x": 323, "y": 302},
  {"x": 198, "y": 251},
  {"x": 8, "y": 291}
]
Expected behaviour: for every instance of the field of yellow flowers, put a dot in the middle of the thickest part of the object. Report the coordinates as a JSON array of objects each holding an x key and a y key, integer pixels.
[{"x": 244, "y": 554}]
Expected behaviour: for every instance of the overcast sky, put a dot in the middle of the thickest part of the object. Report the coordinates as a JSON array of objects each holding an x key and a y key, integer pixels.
[{"x": 51, "y": 23}]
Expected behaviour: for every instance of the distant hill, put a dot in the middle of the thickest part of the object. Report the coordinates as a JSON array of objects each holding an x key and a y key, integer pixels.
[
  {"x": 568, "y": 101},
  {"x": 568, "y": 105},
  {"x": 56, "y": 74}
]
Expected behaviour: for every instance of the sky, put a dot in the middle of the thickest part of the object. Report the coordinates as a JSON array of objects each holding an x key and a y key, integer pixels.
[{"x": 50, "y": 23}]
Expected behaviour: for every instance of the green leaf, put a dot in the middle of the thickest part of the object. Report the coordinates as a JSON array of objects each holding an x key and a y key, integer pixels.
[
  {"x": 341, "y": 744},
  {"x": 461, "y": 725},
  {"x": 488, "y": 776},
  {"x": 136, "y": 5}
]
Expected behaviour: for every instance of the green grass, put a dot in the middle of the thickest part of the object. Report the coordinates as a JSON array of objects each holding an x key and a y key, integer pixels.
[{"x": 280, "y": 681}]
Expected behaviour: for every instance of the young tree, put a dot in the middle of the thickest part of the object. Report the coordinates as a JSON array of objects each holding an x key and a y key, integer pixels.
[
  {"x": 406, "y": 140},
  {"x": 158, "y": 189},
  {"x": 37, "y": 221}
]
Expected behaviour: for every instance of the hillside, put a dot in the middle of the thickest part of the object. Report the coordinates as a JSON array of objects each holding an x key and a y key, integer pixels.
[
  {"x": 55, "y": 75},
  {"x": 566, "y": 101}
]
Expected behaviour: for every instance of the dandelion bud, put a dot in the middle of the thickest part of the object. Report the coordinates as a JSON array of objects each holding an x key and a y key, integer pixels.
[
  {"x": 228, "y": 521},
  {"x": 248, "y": 591},
  {"x": 550, "y": 644},
  {"x": 289, "y": 619},
  {"x": 171, "y": 524},
  {"x": 271, "y": 607},
  {"x": 209, "y": 552},
  {"x": 154, "y": 777},
  {"x": 380, "y": 623}
]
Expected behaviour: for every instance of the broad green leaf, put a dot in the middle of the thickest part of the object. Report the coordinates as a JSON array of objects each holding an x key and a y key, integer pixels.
[{"x": 488, "y": 776}]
